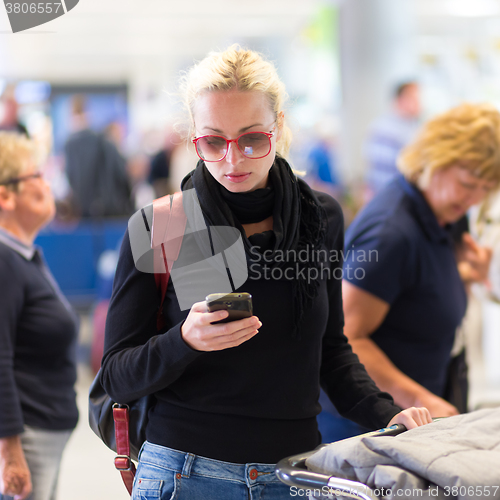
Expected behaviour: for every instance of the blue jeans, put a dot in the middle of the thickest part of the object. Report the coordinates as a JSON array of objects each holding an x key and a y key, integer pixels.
[{"x": 166, "y": 474}]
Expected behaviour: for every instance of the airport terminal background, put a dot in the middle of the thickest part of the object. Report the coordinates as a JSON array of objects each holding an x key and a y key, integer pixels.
[{"x": 340, "y": 61}]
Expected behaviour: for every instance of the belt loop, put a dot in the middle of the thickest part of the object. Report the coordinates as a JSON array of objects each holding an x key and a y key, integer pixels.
[{"x": 188, "y": 463}]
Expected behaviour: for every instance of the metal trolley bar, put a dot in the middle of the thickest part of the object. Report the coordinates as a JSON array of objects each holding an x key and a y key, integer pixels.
[{"x": 293, "y": 471}]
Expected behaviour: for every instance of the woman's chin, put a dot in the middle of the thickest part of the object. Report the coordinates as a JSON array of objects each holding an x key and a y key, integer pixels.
[{"x": 235, "y": 187}]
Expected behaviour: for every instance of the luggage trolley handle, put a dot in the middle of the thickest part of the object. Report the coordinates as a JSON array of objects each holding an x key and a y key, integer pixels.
[{"x": 293, "y": 471}]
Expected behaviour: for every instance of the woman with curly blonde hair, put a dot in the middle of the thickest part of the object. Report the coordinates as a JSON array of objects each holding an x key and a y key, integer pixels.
[
  {"x": 468, "y": 135},
  {"x": 404, "y": 294}
]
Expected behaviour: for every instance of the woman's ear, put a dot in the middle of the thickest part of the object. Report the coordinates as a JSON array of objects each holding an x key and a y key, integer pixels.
[
  {"x": 7, "y": 199},
  {"x": 281, "y": 121}
]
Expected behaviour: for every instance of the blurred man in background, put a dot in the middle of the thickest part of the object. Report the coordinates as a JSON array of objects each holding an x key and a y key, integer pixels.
[
  {"x": 389, "y": 133},
  {"x": 95, "y": 169}
]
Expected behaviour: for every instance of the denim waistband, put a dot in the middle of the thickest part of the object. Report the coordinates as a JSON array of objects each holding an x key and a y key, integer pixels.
[{"x": 187, "y": 464}]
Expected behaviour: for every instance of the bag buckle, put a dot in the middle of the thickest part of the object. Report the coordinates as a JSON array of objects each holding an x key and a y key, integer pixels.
[
  {"x": 118, "y": 405},
  {"x": 123, "y": 462}
]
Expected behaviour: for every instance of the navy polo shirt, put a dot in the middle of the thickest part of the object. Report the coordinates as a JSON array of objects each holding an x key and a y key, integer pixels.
[{"x": 396, "y": 250}]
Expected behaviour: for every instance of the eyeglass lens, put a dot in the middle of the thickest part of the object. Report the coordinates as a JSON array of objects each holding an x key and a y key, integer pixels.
[{"x": 251, "y": 145}]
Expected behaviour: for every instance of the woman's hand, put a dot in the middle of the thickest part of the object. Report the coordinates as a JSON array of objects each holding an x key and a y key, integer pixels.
[
  {"x": 473, "y": 261},
  {"x": 15, "y": 478},
  {"x": 412, "y": 417},
  {"x": 199, "y": 334}
]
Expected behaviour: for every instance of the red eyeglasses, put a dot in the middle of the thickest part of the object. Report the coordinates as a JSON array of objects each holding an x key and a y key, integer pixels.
[
  {"x": 15, "y": 180},
  {"x": 253, "y": 145}
]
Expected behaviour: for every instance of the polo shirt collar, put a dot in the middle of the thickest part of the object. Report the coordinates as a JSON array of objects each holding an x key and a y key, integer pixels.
[
  {"x": 12, "y": 242},
  {"x": 424, "y": 214}
]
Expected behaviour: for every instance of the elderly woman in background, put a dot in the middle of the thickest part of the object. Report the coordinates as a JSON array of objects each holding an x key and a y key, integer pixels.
[
  {"x": 404, "y": 294},
  {"x": 38, "y": 332}
]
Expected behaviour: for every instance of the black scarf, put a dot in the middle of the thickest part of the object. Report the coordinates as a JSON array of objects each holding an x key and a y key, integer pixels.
[
  {"x": 299, "y": 221},
  {"x": 251, "y": 207}
]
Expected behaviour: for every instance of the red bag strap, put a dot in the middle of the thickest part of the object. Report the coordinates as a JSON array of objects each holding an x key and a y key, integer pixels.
[
  {"x": 169, "y": 224},
  {"x": 123, "y": 462}
]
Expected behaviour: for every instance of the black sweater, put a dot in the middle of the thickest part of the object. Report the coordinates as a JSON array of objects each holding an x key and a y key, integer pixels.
[
  {"x": 253, "y": 403},
  {"x": 38, "y": 333}
]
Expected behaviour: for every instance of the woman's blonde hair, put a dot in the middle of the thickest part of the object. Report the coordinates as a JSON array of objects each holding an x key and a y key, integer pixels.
[
  {"x": 468, "y": 135},
  {"x": 15, "y": 149},
  {"x": 243, "y": 70}
]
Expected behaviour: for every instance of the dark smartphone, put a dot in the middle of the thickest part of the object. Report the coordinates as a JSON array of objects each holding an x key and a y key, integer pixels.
[{"x": 238, "y": 305}]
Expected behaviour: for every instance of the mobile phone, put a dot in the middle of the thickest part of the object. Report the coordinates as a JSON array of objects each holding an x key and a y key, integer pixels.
[{"x": 238, "y": 305}]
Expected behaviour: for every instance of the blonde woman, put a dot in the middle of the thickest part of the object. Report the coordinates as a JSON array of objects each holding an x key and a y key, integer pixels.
[
  {"x": 232, "y": 399},
  {"x": 38, "y": 332},
  {"x": 404, "y": 296}
]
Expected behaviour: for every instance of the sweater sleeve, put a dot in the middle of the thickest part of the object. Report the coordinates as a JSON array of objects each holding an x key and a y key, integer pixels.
[
  {"x": 137, "y": 359},
  {"x": 11, "y": 306},
  {"x": 343, "y": 377}
]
